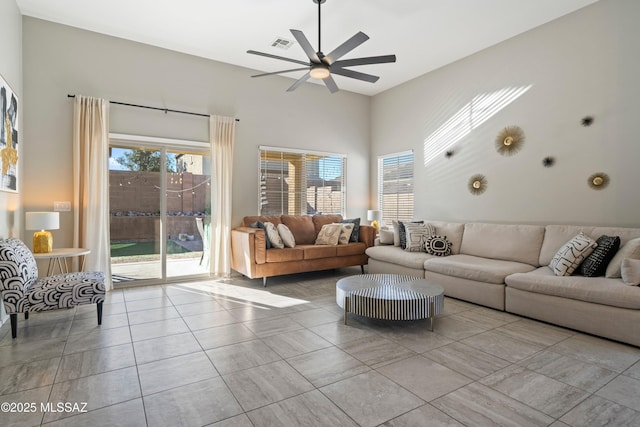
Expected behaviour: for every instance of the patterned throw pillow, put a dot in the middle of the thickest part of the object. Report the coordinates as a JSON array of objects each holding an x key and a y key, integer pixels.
[
  {"x": 345, "y": 233},
  {"x": 260, "y": 224},
  {"x": 571, "y": 254},
  {"x": 329, "y": 234},
  {"x": 596, "y": 264},
  {"x": 286, "y": 235},
  {"x": 438, "y": 245},
  {"x": 355, "y": 234},
  {"x": 273, "y": 235},
  {"x": 403, "y": 232},
  {"x": 416, "y": 236}
]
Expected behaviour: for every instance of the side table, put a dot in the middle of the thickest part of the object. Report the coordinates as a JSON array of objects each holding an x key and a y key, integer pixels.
[{"x": 59, "y": 257}]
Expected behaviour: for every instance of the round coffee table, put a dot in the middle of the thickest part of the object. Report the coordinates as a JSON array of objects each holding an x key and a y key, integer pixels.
[{"x": 390, "y": 297}]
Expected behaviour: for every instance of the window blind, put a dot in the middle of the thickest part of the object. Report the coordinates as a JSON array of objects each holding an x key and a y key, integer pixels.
[
  {"x": 395, "y": 186},
  {"x": 301, "y": 183}
]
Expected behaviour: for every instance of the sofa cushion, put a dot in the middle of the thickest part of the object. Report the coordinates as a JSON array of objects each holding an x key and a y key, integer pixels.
[
  {"x": 475, "y": 268},
  {"x": 273, "y": 235},
  {"x": 630, "y": 271},
  {"x": 416, "y": 235},
  {"x": 260, "y": 225},
  {"x": 402, "y": 231},
  {"x": 453, "y": 231},
  {"x": 557, "y": 235},
  {"x": 355, "y": 234},
  {"x": 630, "y": 250},
  {"x": 320, "y": 220},
  {"x": 286, "y": 235},
  {"x": 318, "y": 251},
  {"x": 386, "y": 237},
  {"x": 437, "y": 245},
  {"x": 519, "y": 243},
  {"x": 596, "y": 264},
  {"x": 396, "y": 255},
  {"x": 302, "y": 228},
  {"x": 286, "y": 254},
  {"x": 571, "y": 254},
  {"x": 345, "y": 233},
  {"x": 599, "y": 290},
  {"x": 329, "y": 234},
  {"x": 357, "y": 248}
]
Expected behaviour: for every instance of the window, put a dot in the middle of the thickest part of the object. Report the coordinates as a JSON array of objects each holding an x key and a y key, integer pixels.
[
  {"x": 395, "y": 186},
  {"x": 295, "y": 182}
]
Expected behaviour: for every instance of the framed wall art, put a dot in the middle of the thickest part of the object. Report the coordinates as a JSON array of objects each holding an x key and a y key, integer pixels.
[{"x": 8, "y": 137}]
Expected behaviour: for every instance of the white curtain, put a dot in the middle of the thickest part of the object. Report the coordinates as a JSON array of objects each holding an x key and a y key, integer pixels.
[
  {"x": 91, "y": 182},
  {"x": 222, "y": 136}
]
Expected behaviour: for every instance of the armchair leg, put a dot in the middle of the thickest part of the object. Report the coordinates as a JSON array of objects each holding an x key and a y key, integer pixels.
[
  {"x": 362, "y": 268},
  {"x": 26, "y": 315},
  {"x": 99, "y": 307},
  {"x": 14, "y": 324},
  {"x": 264, "y": 282}
]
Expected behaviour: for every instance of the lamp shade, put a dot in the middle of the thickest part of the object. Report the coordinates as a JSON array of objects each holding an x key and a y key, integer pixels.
[
  {"x": 374, "y": 215},
  {"x": 42, "y": 221}
]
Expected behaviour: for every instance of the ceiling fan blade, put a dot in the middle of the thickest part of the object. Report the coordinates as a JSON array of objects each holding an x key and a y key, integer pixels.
[
  {"x": 346, "y": 47},
  {"x": 365, "y": 61},
  {"x": 305, "y": 45},
  {"x": 282, "y": 58},
  {"x": 355, "y": 75},
  {"x": 331, "y": 84},
  {"x": 280, "y": 72},
  {"x": 299, "y": 82}
]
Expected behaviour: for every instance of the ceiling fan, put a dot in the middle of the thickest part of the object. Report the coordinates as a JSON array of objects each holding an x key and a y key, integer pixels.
[{"x": 321, "y": 66}]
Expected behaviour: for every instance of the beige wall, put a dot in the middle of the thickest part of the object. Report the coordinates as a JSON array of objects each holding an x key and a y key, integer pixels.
[
  {"x": 585, "y": 63},
  {"x": 60, "y": 60},
  {"x": 11, "y": 71}
]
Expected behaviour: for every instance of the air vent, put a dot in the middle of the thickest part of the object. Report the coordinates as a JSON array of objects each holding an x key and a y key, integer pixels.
[{"x": 282, "y": 43}]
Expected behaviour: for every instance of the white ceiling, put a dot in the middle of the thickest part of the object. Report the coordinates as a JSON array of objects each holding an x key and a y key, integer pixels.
[{"x": 423, "y": 34}]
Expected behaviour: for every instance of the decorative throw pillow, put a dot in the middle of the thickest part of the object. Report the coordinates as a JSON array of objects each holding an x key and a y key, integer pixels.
[
  {"x": 596, "y": 264},
  {"x": 630, "y": 271},
  {"x": 416, "y": 235},
  {"x": 329, "y": 234},
  {"x": 396, "y": 232},
  {"x": 286, "y": 235},
  {"x": 273, "y": 235},
  {"x": 571, "y": 254},
  {"x": 355, "y": 234},
  {"x": 438, "y": 245},
  {"x": 630, "y": 250},
  {"x": 260, "y": 224},
  {"x": 403, "y": 232},
  {"x": 386, "y": 237},
  {"x": 345, "y": 233}
]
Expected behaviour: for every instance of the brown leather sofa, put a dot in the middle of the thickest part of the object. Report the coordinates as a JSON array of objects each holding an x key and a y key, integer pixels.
[{"x": 250, "y": 256}]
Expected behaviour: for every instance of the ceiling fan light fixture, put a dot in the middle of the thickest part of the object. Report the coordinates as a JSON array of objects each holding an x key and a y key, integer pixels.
[{"x": 319, "y": 71}]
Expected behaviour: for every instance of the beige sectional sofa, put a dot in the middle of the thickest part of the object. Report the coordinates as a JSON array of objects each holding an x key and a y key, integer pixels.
[{"x": 505, "y": 266}]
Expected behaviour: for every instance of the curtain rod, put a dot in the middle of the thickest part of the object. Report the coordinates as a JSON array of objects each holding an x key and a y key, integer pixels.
[{"x": 166, "y": 110}]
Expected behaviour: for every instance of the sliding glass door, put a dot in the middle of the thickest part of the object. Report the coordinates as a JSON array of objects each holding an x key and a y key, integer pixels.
[{"x": 160, "y": 209}]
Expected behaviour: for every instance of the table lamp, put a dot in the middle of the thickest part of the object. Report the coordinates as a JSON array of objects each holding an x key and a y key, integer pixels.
[
  {"x": 374, "y": 216},
  {"x": 42, "y": 221}
]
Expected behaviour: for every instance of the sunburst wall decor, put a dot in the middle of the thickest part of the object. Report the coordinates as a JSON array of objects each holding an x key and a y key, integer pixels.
[
  {"x": 510, "y": 140},
  {"x": 598, "y": 180},
  {"x": 477, "y": 184}
]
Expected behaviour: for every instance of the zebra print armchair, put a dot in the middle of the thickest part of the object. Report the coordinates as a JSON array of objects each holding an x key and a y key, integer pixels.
[{"x": 23, "y": 292}]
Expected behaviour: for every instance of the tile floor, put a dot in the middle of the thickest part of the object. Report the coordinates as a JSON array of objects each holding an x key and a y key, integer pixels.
[{"x": 237, "y": 354}]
